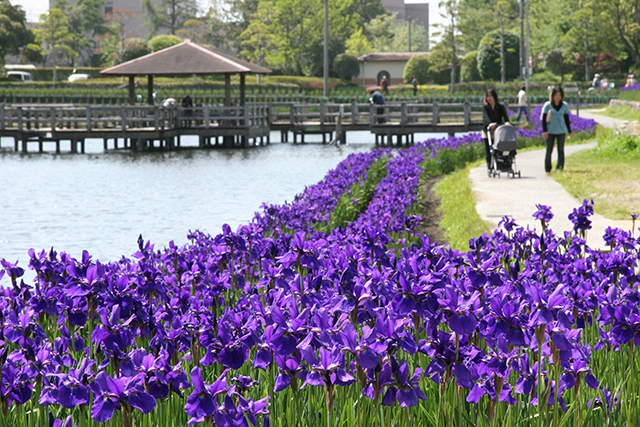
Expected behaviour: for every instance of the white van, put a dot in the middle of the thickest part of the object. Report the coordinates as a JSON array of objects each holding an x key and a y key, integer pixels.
[{"x": 20, "y": 75}]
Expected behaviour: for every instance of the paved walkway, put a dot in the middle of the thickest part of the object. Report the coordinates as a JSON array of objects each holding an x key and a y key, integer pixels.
[{"x": 517, "y": 197}]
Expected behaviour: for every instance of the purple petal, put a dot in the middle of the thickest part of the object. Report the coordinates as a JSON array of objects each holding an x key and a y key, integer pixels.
[
  {"x": 142, "y": 401},
  {"x": 103, "y": 409}
]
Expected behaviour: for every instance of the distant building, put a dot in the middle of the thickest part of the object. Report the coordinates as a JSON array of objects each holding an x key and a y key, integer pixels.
[
  {"x": 134, "y": 27},
  {"x": 417, "y": 13},
  {"x": 374, "y": 66}
]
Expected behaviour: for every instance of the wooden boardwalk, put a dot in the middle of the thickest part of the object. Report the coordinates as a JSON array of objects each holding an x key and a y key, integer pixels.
[{"x": 153, "y": 127}]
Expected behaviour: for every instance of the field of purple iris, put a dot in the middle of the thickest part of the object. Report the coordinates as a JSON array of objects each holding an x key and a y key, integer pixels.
[{"x": 277, "y": 323}]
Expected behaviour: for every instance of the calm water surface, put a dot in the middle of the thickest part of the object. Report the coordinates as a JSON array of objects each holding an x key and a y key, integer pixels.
[{"x": 102, "y": 201}]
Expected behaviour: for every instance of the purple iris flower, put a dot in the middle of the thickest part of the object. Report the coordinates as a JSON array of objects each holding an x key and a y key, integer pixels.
[
  {"x": 72, "y": 390},
  {"x": 408, "y": 388},
  {"x": 543, "y": 214},
  {"x": 201, "y": 402},
  {"x": 580, "y": 216},
  {"x": 117, "y": 394}
]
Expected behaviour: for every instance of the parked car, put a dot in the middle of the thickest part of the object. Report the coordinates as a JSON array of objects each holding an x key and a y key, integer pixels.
[
  {"x": 76, "y": 77},
  {"x": 23, "y": 76}
]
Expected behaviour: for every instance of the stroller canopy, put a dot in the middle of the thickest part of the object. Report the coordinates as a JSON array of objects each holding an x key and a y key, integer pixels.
[{"x": 505, "y": 138}]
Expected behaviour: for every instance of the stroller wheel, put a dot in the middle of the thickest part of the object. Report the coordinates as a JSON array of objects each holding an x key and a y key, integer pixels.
[{"x": 519, "y": 176}]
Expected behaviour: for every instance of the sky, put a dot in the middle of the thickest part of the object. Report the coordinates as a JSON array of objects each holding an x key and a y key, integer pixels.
[{"x": 35, "y": 8}]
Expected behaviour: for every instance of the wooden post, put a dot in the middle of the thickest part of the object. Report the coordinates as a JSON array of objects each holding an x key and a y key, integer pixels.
[
  {"x": 354, "y": 113},
  {"x": 155, "y": 117},
  {"x": 403, "y": 114},
  {"x": 207, "y": 122},
  {"x": 372, "y": 119},
  {"x": 20, "y": 119},
  {"x": 247, "y": 121},
  {"x": 53, "y": 119},
  {"x": 150, "y": 89},
  {"x": 242, "y": 89},
  {"x": 123, "y": 118},
  {"x": 2, "y": 117},
  {"x": 227, "y": 90},
  {"x": 467, "y": 113},
  {"x": 434, "y": 113},
  {"x": 89, "y": 118},
  {"x": 132, "y": 90}
]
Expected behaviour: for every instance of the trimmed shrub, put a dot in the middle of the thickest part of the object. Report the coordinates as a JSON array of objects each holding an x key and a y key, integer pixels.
[
  {"x": 346, "y": 66},
  {"x": 417, "y": 66},
  {"x": 489, "y": 55},
  {"x": 162, "y": 42},
  {"x": 469, "y": 69}
]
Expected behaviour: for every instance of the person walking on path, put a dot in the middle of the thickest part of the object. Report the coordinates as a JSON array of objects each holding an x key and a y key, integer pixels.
[
  {"x": 414, "y": 83},
  {"x": 493, "y": 114},
  {"x": 384, "y": 84},
  {"x": 522, "y": 104},
  {"x": 555, "y": 126}
]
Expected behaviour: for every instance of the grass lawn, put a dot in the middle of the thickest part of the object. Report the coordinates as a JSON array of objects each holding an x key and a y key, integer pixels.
[
  {"x": 459, "y": 220},
  {"x": 608, "y": 174},
  {"x": 623, "y": 112}
]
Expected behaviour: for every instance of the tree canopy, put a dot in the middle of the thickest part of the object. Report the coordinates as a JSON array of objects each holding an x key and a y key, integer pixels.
[{"x": 14, "y": 34}]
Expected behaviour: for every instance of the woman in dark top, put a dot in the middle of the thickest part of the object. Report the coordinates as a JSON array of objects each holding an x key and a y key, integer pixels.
[{"x": 493, "y": 114}]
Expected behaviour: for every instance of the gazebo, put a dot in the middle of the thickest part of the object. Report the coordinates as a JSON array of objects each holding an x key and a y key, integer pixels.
[{"x": 185, "y": 58}]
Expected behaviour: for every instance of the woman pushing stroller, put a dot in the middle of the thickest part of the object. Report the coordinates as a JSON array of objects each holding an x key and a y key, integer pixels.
[{"x": 493, "y": 114}]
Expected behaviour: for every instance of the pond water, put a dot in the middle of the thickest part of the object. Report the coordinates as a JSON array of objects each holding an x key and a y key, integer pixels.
[{"x": 101, "y": 201}]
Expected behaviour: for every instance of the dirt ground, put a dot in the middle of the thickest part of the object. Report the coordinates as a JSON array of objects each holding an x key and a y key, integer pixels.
[{"x": 428, "y": 210}]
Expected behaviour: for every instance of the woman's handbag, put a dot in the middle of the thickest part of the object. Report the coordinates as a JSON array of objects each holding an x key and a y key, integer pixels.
[{"x": 548, "y": 118}]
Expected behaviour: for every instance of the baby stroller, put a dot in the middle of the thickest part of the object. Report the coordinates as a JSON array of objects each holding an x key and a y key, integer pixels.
[{"x": 503, "y": 144}]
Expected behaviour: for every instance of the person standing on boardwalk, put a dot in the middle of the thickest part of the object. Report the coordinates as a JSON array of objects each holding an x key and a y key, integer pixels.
[
  {"x": 555, "y": 126},
  {"x": 522, "y": 104},
  {"x": 187, "y": 103},
  {"x": 384, "y": 85},
  {"x": 493, "y": 114}
]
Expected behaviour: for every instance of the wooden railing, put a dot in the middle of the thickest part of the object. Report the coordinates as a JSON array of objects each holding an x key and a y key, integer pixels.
[
  {"x": 368, "y": 115},
  {"x": 89, "y": 118},
  {"x": 274, "y": 115}
]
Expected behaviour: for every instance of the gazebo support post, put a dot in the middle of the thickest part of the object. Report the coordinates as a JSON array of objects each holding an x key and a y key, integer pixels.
[
  {"x": 132, "y": 90},
  {"x": 243, "y": 87},
  {"x": 227, "y": 90},
  {"x": 228, "y": 141},
  {"x": 150, "y": 89}
]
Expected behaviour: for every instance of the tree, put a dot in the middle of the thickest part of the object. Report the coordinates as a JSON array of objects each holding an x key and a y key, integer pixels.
[
  {"x": 387, "y": 36},
  {"x": 54, "y": 37},
  {"x": 168, "y": 14},
  {"x": 257, "y": 37},
  {"x": 346, "y": 66},
  {"x": 366, "y": 10},
  {"x": 358, "y": 44},
  {"x": 14, "y": 33},
  {"x": 489, "y": 63},
  {"x": 162, "y": 42},
  {"x": 625, "y": 15},
  {"x": 557, "y": 62},
  {"x": 445, "y": 54},
  {"x": 418, "y": 67},
  {"x": 134, "y": 47},
  {"x": 194, "y": 30},
  {"x": 469, "y": 68},
  {"x": 112, "y": 43},
  {"x": 295, "y": 32},
  {"x": 86, "y": 25}
]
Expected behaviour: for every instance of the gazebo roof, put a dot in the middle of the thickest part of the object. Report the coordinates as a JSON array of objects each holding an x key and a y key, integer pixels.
[{"x": 185, "y": 58}]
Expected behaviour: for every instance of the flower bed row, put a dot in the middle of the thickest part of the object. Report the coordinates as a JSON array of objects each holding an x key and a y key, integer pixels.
[{"x": 277, "y": 323}]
